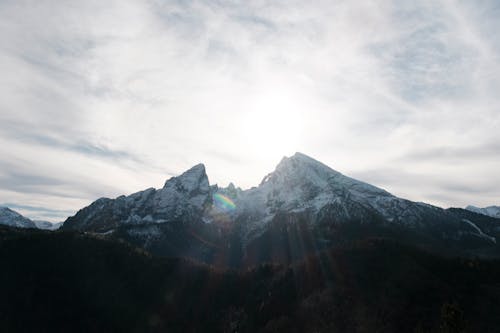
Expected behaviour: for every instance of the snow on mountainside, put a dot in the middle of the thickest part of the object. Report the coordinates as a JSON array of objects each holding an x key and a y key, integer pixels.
[
  {"x": 303, "y": 185},
  {"x": 299, "y": 186},
  {"x": 182, "y": 198},
  {"x": 14, "y": 219},
  {"x": 46, "y": 225},
  {"x": 492, "y": 211}
]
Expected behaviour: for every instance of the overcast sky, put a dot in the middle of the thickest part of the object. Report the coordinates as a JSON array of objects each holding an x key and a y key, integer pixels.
[{"x": 103, "y": 98}]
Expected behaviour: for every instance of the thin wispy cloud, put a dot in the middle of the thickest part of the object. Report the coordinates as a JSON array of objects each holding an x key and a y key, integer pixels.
[{"x": 106, "y": 98}]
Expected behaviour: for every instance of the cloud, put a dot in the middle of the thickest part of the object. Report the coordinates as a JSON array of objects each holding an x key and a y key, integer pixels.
[
  {"x": 36, "y": 137},
  {"x": 105, "y": 98},
  {"x": 483, "y": 152},
  {"x": 428, "y": 186}
]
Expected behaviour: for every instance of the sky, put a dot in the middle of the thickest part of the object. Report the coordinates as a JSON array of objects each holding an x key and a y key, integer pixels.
[{"x": 103, "y": 98}]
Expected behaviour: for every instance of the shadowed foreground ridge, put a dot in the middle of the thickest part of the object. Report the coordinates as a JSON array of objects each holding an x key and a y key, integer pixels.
[{"x": 73, "y": 282}]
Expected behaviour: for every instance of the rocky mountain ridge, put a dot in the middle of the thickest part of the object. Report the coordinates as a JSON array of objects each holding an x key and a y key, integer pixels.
[{"x": 302, "y": 197}]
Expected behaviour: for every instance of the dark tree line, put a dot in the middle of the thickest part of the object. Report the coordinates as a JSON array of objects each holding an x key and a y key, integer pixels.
[{"x": 71, "y": 282}]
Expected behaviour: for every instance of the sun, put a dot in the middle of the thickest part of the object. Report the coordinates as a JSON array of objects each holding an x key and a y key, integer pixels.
[{"x": 273, "y": 125}]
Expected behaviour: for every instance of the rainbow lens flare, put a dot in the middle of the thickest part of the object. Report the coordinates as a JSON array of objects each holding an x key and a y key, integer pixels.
[{"x": 224, "y": 202}]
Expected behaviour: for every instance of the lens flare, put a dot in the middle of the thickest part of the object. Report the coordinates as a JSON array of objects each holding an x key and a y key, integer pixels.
[{"x": 224, "y": 202}]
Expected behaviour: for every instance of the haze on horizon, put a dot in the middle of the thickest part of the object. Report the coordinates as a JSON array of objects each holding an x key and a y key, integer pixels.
[{"x": 108, "y": 98}]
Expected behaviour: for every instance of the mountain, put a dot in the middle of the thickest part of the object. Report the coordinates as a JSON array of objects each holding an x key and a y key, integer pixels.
[
  {"x": 302, "y": 185},
  {"x": 305, "y": 205},
  {"x": 46, "y": 225},
  {"x": 181, "y": 199},
  {"x": 13, "y": 219},
  {"x": 492, "y": 211},
  {"x": 301, "y": 207}
]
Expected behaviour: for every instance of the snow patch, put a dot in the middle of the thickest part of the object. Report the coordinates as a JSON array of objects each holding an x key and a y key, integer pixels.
[{"x": 479, "y": 231}]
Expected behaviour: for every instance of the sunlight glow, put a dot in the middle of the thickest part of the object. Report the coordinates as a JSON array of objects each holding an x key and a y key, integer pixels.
[{"x": 273, "y": 125}]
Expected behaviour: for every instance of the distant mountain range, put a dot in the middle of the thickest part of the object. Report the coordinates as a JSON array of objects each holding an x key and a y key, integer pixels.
[
  {"x": 493, "y": 211},
  {"x": 12, "y": 218},
  {"x": 299, "y": 208}
]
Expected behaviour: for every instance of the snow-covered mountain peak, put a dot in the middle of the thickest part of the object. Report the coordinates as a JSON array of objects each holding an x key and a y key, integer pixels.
[
  {"x": 303, "y": 172},
  {"x": 14, "y": 219},
  {"x": 183, "y": 198},
  {"x": 300, "y": 167},
  {"x": 300, "y": 162},
  {"x": 192, "y": 182}
]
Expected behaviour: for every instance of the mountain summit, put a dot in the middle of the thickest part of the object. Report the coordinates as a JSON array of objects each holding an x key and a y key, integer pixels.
[
  {"x": 303, "y": 178},
  {"x": 301, "y": 166},
  {"x": 301, "y": 197},
  {"x": 182, "y": 199}
]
